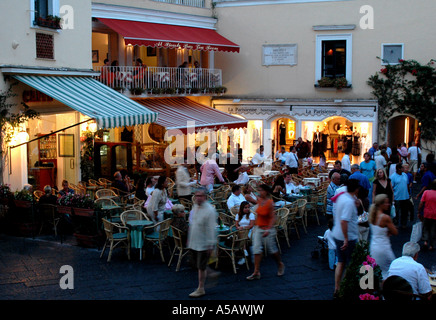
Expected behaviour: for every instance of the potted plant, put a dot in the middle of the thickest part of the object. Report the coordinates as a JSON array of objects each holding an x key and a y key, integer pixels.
[
  {"x": 136, "y": 91},
  {"x": 5, "y": 194},
  {"x": 119, "y": 89},
  {"x": 64, "y": 203},
  {"x": 170, "y": 90},
  {"x": 326, "y": 82},
  {"x": 82, "y": 205},
  {"x": 340, "y": 83},
  {"x": 23, "y": 198}
]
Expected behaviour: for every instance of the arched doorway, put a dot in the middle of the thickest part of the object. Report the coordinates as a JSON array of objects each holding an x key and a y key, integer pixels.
[{"x": 401, "y": 129}]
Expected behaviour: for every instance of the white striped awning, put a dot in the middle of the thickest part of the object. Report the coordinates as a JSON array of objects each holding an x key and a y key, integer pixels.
[
  {"x": 182, "y": 114},
  {"x": 108, "y": 107}
]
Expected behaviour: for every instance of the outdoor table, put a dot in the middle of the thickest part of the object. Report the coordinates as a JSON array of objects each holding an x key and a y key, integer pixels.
[
  {"x": 254, "y": 177},
  {"x": 136, "y": 229},
  {"x": 174, "y": 201},
  {"x": 222, "y": 230},
  {"x": 432, "y": 282},
  {"x": 323, "y": 176},
  {"x": 271, "y": 172},
  {"x": 294, "y": 196}
]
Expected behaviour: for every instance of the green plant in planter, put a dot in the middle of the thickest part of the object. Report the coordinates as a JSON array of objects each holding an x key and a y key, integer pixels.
[
  {"x": 340, "y": 83},
  {"x": 326, "y": 82},
  {"x": 65, "y": 200},
  {"x": 82, "y": 201},
  {"x": 170, "y": 90},
  {"x": 23, "y": 195},
  {"x": 5, "y": 191},
  {"x": 119, "y": 89},
  {"x": 137, "y": 91},
  {"x": 351, "y": 286}
]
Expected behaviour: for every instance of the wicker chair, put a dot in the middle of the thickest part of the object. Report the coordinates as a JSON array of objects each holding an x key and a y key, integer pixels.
[
  {"x": 186, "y": 203},
  {"x": 311, "y": 207},
  {"x": 93, "y": 182},
  {"x": 300, "y": 217},
  {"x": 292, "y": 218},
  {"x": 49, "y": 216},
  {"x": 38, "y": 194},
  {"x": 105, "y": 193},
  {"x": 104, "y": 182},
  {"x": 227, "y": 219},
  {"x": 129, "y": 215},
  {"x": 115, "y": 239},
  {"x": 179, "y": 246},
  {"x": 239, "y": 239},
  {"x": 281, "y": 224},
  {"x": 159, "y": 236}
]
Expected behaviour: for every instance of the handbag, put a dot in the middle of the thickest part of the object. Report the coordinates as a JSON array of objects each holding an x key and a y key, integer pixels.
[
  {"x": 416, "y": 234},
  {"x": 393, "y": 212}
]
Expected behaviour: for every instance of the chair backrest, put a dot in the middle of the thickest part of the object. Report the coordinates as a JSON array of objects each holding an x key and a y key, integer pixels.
[
  {"x": 227, "y": 219},
  {"x": 105, "y": 193},
  {"x": 301, "y": 204},
  {"x": 239, "y": 238},
  {"x": 47, "y": 210},
  {"x": 163, "y": 228},
  {"x": 104, "y": 182},
  {"x": 177, "y": 236},
  {"x": 129, "y": 215},
  {"x": 108, "y": 228},
  {"x": 105, "y": 202},
  {"x": 234, "y": 210},
  {"x": 186, "y": 203},
  {"x": 93, "y": 182},
  {"x": 38, "y": 194},
  {"x": 281, "y": 217}
]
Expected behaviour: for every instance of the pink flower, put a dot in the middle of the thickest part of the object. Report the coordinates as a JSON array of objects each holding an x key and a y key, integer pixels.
[{"x": 368, "y": 296}]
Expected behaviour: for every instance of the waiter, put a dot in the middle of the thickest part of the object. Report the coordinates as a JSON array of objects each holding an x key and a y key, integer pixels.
[{"x": 292, "y": 160}]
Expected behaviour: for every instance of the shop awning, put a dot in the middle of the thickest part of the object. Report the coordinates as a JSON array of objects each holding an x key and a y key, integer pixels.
[
  {"x": 176, "y": 113},
  {"x": 108, "y": 107},
  {"x": 170, "y": 36}
]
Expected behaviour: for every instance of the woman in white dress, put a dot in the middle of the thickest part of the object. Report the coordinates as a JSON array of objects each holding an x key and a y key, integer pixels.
[{"x": 382, "y": 228}]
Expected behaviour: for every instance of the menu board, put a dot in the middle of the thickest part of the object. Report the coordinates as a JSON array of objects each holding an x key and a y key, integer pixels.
[{"x": 279, "y": 54}]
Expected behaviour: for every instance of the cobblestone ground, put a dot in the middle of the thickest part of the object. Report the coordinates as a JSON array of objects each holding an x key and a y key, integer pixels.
[{"x": 30, "y": 270}]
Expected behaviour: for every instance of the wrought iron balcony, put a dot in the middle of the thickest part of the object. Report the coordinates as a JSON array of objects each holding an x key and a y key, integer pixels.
[
  {"x": 160, "y": 80},
  {"x": 190, "y": 3}
]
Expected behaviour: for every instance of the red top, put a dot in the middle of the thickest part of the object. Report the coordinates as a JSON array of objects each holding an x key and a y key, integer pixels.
[
  {"x": 429, "y": 197},
  {"x": 265, "y": 213}
]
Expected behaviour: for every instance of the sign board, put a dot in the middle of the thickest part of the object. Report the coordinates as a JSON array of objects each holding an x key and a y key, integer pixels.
[{"x": 279, "y": 54}]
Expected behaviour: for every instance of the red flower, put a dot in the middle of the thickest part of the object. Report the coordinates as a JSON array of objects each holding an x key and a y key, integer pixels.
[
  {"x": 414, "y": 72},
  {"x": 401, "y": 60},
  {"x": 384, "y": 70},
  {"x": 90, "y": 158}
]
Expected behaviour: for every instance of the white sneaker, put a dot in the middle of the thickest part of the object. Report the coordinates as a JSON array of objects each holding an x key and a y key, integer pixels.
[
  {"x": 246, "y": 253},
  {"x": 241, "y": 261}
]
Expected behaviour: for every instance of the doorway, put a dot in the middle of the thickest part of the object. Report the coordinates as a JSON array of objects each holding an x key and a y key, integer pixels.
[
  {"x": 401, "y": 129},
  {"x": 285, "y": 134}
]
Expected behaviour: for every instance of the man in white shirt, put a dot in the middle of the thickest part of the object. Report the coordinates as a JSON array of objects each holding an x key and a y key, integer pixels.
[
  {"x": 292, "y": 160},
  {"x": 414, "y": 153},
  {"x": 345, "y": 229},
  {"x": 412, "y": 271},
  {"x": 258, "y": 157},
  {"x": 289, "y": 183},
  {"x": 346, "y": 163},
  {"x": 380, "y": 160},
  {"x": 280, "y": 155},
  {"x": 236, "y": 197}
]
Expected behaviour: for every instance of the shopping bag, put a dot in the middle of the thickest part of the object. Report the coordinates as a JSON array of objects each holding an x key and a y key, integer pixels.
[
  {"x": 416, "y": 234},
  {"x": 393, "y": 212}
]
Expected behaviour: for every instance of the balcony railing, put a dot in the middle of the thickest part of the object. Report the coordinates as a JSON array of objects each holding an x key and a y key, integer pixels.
[
  {"x": 191, "y": 3},
  {"x": 159, "y": 80}
]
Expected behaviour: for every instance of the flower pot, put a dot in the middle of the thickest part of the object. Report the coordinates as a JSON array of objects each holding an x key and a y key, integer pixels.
[
  {"x": 26, "y": 229},
  {"x": 83, "y": 212},
  {"x": 23, "y": 204},
  {"x": 64, "y": 209}
]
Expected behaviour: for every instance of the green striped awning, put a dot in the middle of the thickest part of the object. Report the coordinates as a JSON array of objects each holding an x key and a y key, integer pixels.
[{"x": 108, "y": 107}]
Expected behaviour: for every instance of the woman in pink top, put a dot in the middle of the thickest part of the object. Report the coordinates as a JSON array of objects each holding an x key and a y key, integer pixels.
[
  {"x": 209, "y": 170},
  {"x": 428, "y": 203}
]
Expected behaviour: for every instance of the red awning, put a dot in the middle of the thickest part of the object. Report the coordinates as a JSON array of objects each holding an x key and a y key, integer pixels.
[
  {"x": 174, "y": 113},
  {"x": 170, "y": 36}
]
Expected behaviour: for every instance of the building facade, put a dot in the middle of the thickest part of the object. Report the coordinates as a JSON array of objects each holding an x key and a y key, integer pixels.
[{"x": 290, "y": 51}]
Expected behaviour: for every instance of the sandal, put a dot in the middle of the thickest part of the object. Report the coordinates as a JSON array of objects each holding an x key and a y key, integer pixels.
[
  {"x": 254, "y": 277},
  {"x": 281, "y": 270}
]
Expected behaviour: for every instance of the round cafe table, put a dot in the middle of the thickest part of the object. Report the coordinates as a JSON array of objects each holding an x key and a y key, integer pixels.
[{"x": 136, "y": 229}]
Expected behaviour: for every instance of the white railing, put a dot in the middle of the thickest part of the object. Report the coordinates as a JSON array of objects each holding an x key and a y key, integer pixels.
[
  {"x": 191, "y": 3},
  {"x": 159, "y": 79}
]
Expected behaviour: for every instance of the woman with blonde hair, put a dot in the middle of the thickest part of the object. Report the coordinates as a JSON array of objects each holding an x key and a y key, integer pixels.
[{"x": 382, "y": 228}]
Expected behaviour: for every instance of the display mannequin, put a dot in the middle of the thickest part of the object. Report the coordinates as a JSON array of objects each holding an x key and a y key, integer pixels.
[
  {"x": 325, "y": 138},
  {"x": 356, "y": 142},
  {"x": 317, "y": 139},
  {"x": 282, "y": 133}
]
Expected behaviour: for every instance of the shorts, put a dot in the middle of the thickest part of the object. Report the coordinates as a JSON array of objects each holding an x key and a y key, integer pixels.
[
  {"x": 259, "y": 240},
  {"x": 344, "y": 255},
  {"x": 413, "y": 164},
  {"x": 199, "y": 259}
]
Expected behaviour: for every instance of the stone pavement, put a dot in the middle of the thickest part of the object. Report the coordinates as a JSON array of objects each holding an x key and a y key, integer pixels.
[{"x": 30, "y": 270}]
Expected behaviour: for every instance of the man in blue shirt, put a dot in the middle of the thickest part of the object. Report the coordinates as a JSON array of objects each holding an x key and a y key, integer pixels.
[
  {"x": 400, "y": 182},
  {"x": 364, "y": 184},
  {"x": 426, "y": 178},
  {"x": 368, "y": 168},
  {"x": 373, "y": 150}
]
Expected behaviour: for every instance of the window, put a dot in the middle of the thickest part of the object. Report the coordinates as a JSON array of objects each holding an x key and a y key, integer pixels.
[
  {"x": 392, "y": 53},
  {"x": 42, "y": 9},
  {"x": 333, "y": 57},
  {"x": 44, "y": 46}
]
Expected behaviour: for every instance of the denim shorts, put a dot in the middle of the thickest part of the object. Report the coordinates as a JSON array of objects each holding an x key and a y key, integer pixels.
[
  {"x": 344, "y": 255},
  {"x": 259, "y": 240}
]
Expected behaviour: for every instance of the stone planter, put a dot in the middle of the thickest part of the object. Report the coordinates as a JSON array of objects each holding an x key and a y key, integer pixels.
[
  {"x": 64, "y": 209},
  {"x": 86, "y": 240},
  {"x": 23, "y": 204},
  {"x": 83, "y": 212}
]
